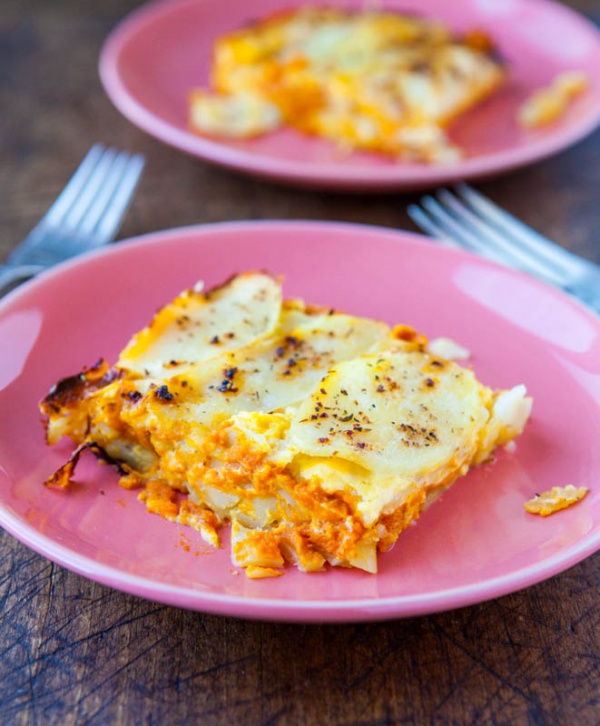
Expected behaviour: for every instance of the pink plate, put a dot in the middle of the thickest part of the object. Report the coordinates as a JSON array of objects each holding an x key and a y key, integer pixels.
[
  {"x": 475, "y": 543},
  {"x": 155, "y": 56}
]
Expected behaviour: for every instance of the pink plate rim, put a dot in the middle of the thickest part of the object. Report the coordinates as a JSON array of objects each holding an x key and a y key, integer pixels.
[
  {"x": 289, "y": 610},
  {"x": 279, "y": 609},
  {"x": 363, "y": 178}
]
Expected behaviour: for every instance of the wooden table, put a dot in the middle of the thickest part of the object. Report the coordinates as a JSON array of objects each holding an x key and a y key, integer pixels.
[{"x": 75, "y": 652}]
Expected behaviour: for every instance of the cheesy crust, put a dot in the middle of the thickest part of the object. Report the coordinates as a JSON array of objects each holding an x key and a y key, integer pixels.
[
  {"x": 318, "y": 435},
  {"x": 375, "y": 80}
]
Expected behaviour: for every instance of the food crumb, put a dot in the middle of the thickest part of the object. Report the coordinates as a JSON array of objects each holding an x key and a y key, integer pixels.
[
  {"x": 548, "y": 104},
  {"x": 184, "y": 544},
  {"x": 557, "y": 498}
]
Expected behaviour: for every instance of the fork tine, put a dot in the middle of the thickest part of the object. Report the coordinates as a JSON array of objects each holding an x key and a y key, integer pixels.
[
  {"x": 429, "y": 225},
  {"x": 488, "y": 240},
  {"x": 123, "y": 194},
  {"x": 450, "y": 227},
  {"x": 91, "y": 207},
  {"x": 529, "y": 240},
  {"x": 87, "y": 194},
  {"x": 103, "y": 217},
  {"x": 103, "y": 193},
  {"x": 71, "y": 190}
]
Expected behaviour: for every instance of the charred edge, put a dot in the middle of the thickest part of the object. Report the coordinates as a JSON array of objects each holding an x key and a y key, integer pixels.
[
  {"x": 63, "y": 476},
  {"x": 74, "y": 388},
  {"x": 227, "y": 384},
  {"x": 163, "y": 393}
]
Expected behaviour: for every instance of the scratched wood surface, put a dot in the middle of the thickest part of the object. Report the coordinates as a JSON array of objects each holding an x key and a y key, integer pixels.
[{"x": 74, "y": 652}]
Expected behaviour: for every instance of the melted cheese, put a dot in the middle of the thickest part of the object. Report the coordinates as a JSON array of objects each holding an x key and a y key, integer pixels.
[{"x": 319, "y": 435}]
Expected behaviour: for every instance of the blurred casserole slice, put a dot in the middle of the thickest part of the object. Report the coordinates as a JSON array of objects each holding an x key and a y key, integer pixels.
[
  {"x": 319, "y": 436},
  {"x": 372, "y": 80}
]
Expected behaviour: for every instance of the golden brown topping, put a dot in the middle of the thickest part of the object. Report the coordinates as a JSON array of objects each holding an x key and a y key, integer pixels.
[{"x": 73, "y": 388}]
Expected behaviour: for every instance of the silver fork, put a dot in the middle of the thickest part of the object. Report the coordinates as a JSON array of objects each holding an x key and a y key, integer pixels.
[
  {"x": 464, "y": 218},
  {"x": 87, "y": 214}
]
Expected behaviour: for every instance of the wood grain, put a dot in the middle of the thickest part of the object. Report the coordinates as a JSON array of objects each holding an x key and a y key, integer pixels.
[{"x": 75, "y": 652}]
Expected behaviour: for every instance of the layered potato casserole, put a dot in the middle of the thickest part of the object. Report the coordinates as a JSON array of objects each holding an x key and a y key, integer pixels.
[
  {"x": 374, "y": 80},
  {"x": 318, "y": 436}
]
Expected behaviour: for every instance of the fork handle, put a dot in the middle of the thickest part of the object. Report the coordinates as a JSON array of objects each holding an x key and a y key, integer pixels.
[
  {"x": 588, "y": 291},
  {"x": 10, "y": 274}
]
